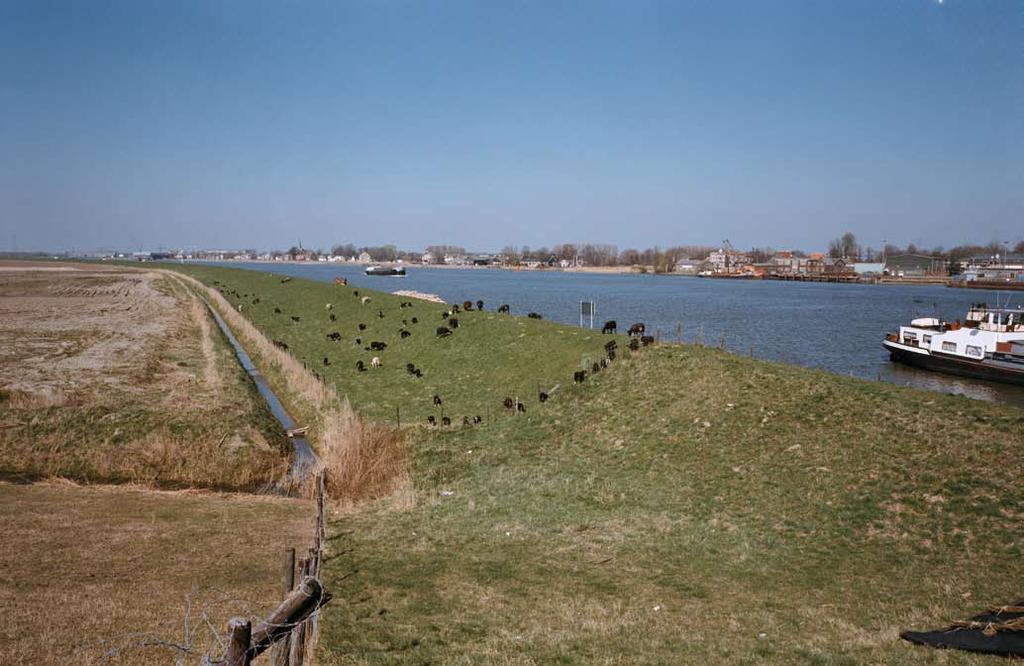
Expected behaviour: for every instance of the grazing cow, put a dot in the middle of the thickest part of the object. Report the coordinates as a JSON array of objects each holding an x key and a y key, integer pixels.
[
  {"x": 255, "y": 301},
  {"x": 375, "y": 362},
  {"x": 609, "y": 326},
  {"x": 479, "y": 305},
  {"x": 332, "y": 317},
  {"x": 611, "y": 354},
  {"x": 365, "y": 299},
  {"x": 404, "y": 334},
  {"x": 378, "y": 346},
  {"x": 634, "y": 344},
  {"x": 503, "y": 309},
  {"x": 604, "y": 363},
  {"x": 431, "y": 420},
  {"x": 637, "y": 329},
  {"x": 277, "y": 310},
  {"x": 334, "y": 337},
  {"x": 281, "y": 345},
  {"x": 647, "y": 340},
  {"x": 328, "y": 307},
  {"x": 467, "y": 305},
  {"x": 445, "y": 421},
  {"x": 296, "y": 319},
  {"x": 542, "y": 396},
  {"x": 360, "y": 367},
  {"x": 415, "y": 320},
  {"x": 437, "y": 400},
  {"x": 443, "y": 332},
  {"x": 380, "y": 314},
  {"x": 579, "y": 376},
  {"x": 327, "y": 361},
  {"x": 453, "y": 322},
  {"x": 508, "y": 403},
  {"x": 359, "y": 341},
  {"x": 355, "y": 292},
  {"x": 361, "y": 327},
  {"x": 455, "y": 308},
  {"x": 611, "y": 345},
  {"x": 595, "y": 368},
  {"x": 418, "y": 372},
  {"x": 534, "y": 315},
  {"x": 477, "y": 419},
  {"x": 405, "y": 304},
  {"x": 520, "y": 407}
]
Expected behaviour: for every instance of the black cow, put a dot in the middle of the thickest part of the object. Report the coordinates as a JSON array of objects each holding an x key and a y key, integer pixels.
[
  {"x": 503, "y": 309},
  {"x": 508, "y": 403},
  {"x": 637, "y": 329},
  {"x": 634, "y": 344},
  {"x": 431, "y": 420},
  {"x": 281, "y": 345},
  {"x": 542, "y": 396},
  {"x": 477, "y": 419},
  {"x": 359, "y": 341},
  {"x": 332, "y": 317},
  {"x": 534, "y": 315},
  {"x": 335, "y": 336},
  {"x": 611, "y": 354},
  {"x": 404, "y": 333},
  {"x": 415, "y": 320},
  {"x": 380, "y": 314},
  {"x": 360, "y": 367},
  {"x": 378, "y": 346},
  {"x": 361, "y": 327},
  {"x": 453, "y": 322},
  {"x": 418, "y": 372},
  {"x": 479, "y": 305},
  {"x": 327, "y": 361},
  {"x": 647, "y": 340},
  {"x": 294, "y": 318},
  {"x": 410, "y": 368},
  {"x": 445, "y": 421},
  {"x": 277, "y": 310},
  {"x": 520, "y": 407},
  {"x": 595, "y": 368},
  {"x": 611, "y": 345},
  {"x": 437, "y": 400},
  {"x": 609, "y": 326},
  {"x": 579, "y": 376},
  {"x": 455, "y": 308},
  {"x": 443, "y": 332}
]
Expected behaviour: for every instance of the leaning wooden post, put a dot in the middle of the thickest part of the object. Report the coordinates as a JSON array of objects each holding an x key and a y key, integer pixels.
[{"x": 239, "y": 638}]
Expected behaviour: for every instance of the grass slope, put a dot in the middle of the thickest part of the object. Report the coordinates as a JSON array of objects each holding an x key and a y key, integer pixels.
[
  {"x": 488, "y": 358},
  {"x": 690, "y": 506}
]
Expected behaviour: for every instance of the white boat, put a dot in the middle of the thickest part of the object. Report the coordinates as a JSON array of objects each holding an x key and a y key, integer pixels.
[
  {"x": 386, "y": 270},
  {"x": 988, "y": 344}
]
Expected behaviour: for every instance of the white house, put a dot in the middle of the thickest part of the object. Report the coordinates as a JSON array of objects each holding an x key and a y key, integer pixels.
[{"x": 365, "y": 258}]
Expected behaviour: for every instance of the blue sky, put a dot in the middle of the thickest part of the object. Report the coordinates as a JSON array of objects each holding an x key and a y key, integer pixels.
[{"x": 195, "y": 124}]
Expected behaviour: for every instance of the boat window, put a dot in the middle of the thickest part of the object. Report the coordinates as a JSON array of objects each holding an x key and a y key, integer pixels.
[
  {"x": 949, "y": 346},
  {"x": 909, "y": 335},
  {"x": 974, "y": 351},
  {"x": 927, "y": 339}
]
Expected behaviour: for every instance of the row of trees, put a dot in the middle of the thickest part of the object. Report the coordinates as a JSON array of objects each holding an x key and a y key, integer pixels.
[{"x": 846, "y": 246}]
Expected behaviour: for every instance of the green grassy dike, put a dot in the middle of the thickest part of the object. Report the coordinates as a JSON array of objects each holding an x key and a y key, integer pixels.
[{"x": 685, "y": 506}]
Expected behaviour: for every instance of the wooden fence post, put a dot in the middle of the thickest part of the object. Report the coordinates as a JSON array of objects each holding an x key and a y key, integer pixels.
[
  {"x": 239, "y": 638},
  {"x": 281, "y": 650}
]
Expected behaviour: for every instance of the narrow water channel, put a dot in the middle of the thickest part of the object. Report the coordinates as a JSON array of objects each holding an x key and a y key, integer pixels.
[{"x": 304, "y": 460}]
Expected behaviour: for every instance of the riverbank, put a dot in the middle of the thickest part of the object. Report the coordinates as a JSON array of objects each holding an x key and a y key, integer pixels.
[{"x": 683, "y": 505}]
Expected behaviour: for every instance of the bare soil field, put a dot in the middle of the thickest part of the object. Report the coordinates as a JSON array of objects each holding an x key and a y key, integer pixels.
[
  {"x": 108, "y": 374},
  {"x": 121, "y": 575}
]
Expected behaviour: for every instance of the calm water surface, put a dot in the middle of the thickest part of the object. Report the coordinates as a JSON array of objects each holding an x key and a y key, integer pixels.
[{"x": 835, "y": 327}]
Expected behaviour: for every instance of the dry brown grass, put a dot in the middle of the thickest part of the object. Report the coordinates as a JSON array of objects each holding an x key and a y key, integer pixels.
[
  {"x": 114, "y": 375},
  {"x": 93, "y": 574},
  {"x": 365, "y": 460}
]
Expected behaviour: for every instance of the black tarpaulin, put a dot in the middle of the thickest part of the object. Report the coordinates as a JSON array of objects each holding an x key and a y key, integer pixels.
[{"x": 999, "y": 631}]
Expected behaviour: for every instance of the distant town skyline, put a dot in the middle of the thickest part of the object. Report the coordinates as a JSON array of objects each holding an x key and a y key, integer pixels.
[{"x": 143, "y": 125}]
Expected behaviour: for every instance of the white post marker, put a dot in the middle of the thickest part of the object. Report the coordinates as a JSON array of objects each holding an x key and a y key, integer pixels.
[{"x": 587, "y": 309}]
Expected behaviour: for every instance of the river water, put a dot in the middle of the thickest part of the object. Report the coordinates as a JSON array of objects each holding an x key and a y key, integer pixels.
[{"x": 835, "y": 327}]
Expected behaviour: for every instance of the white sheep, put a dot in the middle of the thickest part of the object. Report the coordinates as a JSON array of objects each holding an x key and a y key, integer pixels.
[
  {"x": 375, "y": 362},
  {"x": 330, "y": 307},
  {"x": 365, "y": 300}
]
